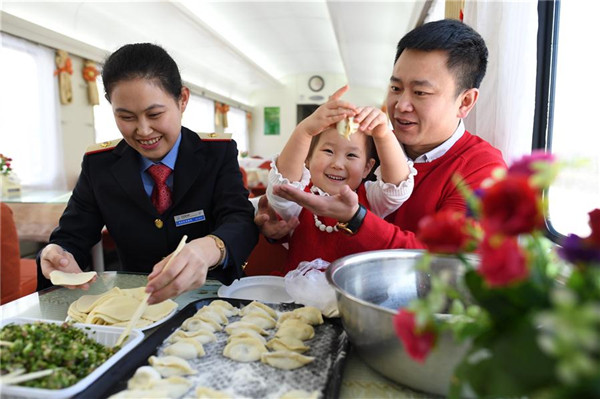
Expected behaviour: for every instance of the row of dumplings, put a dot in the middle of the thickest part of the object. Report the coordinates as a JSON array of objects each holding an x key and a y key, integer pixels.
[{"x": 246, "y": 343}]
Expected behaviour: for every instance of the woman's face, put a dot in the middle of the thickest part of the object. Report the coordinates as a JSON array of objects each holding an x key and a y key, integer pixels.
[{"x": 148, "y": 117}]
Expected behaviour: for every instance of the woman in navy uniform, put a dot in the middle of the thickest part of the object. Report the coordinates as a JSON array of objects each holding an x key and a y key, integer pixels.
[{"x": 201, "y": 194}]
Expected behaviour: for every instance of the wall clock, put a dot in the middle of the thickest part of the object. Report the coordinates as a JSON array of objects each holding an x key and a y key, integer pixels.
[{"x": 316, "y": 83}]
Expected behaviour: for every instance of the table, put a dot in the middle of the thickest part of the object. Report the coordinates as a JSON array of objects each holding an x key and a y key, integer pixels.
[{"x": 358, "y": 380}]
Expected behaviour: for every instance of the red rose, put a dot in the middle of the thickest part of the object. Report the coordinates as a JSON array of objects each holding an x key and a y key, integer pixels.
[
  {"x": 417, "y": 344},
  {"x": 444, "y": 232},
  {"x": 595, "y": 226},
  {"x": 524, "y": 166},
  {"x": 502, "y": 261},
  {"x": 511, "y": 206}
]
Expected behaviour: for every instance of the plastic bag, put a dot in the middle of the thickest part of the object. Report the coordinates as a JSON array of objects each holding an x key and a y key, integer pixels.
[{"x": 308, "y": 285}]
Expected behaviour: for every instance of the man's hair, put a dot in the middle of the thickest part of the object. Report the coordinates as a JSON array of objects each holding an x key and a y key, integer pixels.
[
  {"x": 467, "y": 52},
  {"x": 142, "y": 60}
]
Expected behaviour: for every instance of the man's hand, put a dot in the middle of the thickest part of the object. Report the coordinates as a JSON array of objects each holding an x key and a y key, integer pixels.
[
  {"x": 54, "y": 257},
  {"x": 341, "y": 206},
  {"x": 269, "y": 224}
]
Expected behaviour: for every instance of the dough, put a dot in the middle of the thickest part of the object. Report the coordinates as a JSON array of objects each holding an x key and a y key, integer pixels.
[
  {"x": 347, "y": 127},
  {"x": 61, "y": 278}
]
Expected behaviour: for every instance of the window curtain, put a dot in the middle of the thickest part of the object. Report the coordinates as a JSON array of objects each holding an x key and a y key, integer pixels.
[
  {"x": 199, "y": 114},
  {"x": 504, "y": 112},
  {"x": 238, "y": 127},
  {"x": 30, "y": 126}
]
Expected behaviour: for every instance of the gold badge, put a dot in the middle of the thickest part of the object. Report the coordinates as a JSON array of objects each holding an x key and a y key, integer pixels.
[{"x": 158, "y": 223}]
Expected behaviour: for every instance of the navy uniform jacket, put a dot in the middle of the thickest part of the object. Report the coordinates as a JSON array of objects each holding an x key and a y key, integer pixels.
[{"x": 110, "y": 192}]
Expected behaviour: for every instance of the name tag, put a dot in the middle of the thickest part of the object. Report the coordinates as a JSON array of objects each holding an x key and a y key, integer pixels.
[{"x": 188, "y": 218}]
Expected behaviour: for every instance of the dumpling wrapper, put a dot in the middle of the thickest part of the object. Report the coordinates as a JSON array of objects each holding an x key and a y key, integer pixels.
[
  {"x": 61, "y": 278},
  {"x": 347, "y": 127}
]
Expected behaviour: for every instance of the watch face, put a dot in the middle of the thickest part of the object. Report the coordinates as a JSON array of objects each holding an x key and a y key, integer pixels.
[{"x": 316, "y": 83}]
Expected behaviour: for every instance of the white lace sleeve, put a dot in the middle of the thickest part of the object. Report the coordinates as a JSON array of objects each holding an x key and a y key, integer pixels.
[
  {"x": 385, "y": 198},
  {"x": 286, "y": 209}
]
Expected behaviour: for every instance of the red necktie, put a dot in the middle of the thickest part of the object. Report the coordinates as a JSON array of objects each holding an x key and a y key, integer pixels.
[{"x": 161, "y": 193}]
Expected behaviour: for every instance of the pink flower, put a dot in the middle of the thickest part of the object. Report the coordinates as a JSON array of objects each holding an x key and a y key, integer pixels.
[
  {"x": 444, "y": 232},
  {"x": 511, "y": 207},
  {"x": 417, "y": 344},
  {"x": 502, "y": 261},
  {"x": 523, "y": 165}
]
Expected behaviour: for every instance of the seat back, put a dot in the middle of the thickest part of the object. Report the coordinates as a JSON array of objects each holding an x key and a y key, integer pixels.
[{"x": 10, "y": 257}]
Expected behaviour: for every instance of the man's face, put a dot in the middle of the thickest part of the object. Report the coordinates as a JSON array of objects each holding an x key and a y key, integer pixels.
[{"x": 422, "y": 102}]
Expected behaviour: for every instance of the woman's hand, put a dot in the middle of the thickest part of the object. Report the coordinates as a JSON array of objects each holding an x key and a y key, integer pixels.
[
  {"x": 186, "y": 272},
  {"x": 54, "y": 257}
]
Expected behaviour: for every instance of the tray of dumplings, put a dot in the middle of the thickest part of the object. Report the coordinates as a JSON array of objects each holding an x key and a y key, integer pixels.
[{"x": 232, "y": 348}]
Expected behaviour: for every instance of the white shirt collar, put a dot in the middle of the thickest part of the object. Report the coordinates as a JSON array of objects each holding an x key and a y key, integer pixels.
[{"x": 443, "y": 148}]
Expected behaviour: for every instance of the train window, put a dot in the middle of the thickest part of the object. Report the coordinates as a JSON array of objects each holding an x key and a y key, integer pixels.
[
  {"x": 105, "y": 128},
  {"x": 29, "y": 127},
  {"x": 199, "y": 115},
  {"x": 572, "y": 132},
  {"x": 238, "y": 126}
]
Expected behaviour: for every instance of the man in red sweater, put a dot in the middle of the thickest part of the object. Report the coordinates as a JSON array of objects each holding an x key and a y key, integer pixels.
[{"x": 434, "y": 85}]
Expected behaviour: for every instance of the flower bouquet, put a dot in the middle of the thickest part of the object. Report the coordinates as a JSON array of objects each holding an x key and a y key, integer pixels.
[
  {"x": 8, "y": 179},
  {"x": 531, "y": 312}
]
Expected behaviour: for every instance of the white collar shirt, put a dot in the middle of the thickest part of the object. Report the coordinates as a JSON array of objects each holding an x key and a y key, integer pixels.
[{"x": 443, "y": 148}]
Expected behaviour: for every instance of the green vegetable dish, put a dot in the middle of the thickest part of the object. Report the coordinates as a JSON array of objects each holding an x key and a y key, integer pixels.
[{"x": 41, "y": 346}]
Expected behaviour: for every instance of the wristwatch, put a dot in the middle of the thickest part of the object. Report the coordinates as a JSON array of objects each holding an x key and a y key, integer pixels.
[
  {"x": 352, "y": 226},
  {"x": 221, "y": 246}
]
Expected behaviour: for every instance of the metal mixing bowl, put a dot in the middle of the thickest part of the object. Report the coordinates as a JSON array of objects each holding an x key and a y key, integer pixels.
[{"x": 370, "y": 287}]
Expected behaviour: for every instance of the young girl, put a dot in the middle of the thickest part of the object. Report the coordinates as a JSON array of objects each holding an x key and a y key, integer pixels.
[
  {"x": 161, "y": 182},
  {"x": 318, "y": 158}
]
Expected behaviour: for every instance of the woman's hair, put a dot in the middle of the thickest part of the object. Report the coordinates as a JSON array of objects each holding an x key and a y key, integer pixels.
[{"x": 142, "y": 60}]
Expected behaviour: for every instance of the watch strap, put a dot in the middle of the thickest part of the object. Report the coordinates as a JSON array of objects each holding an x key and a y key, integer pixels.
[
  {"x": 221, "y": 246},
  {"x": 352, "y": 226}
]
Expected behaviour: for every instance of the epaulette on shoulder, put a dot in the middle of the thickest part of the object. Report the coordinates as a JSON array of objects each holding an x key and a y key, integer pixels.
[
  {"x": 215, "y": 136},
  {"x": 101, "y": 147}
]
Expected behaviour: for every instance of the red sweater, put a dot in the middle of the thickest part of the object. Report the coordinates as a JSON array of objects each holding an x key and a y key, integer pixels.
[{"x": 471, "y": 157}]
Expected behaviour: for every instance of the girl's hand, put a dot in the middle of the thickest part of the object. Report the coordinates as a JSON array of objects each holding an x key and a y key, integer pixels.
[
  {"x": 330, "y": 113},
  {"x": 372, "y": 121}
]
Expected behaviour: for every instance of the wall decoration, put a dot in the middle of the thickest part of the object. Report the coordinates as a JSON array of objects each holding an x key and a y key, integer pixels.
[
  {"x": 64, "y": 70},
  {"x": 221, "y": 111},
  {"x": 271, "y": 121},
  {"x": 90, "y": 73}
]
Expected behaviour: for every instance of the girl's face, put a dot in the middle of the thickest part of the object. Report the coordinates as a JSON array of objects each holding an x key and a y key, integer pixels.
[
  {"x": 148, "y": 117},
  {"x": 336, "y": 162}
]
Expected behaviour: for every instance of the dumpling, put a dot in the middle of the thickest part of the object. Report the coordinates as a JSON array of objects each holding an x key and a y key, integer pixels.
[
  {"x": 295, "y": 328},
  {"x": 244, "y": 350},
  {"x": 310, "y": 314},
  {"x": 208, "y": 318},
  {"x": 287, "y": 343},
  {"x": 144, "y": 378},
  {"x": 209, "y": 393},
  {"x": 192, "y": 324},
  {"x": 246, "y": 333},
  {"x": 230, "y": 310},
  {"x": 286, "y": 360},
  {"x": 262, "y": 320},
  {"x": 214, "y": 314},
  {"x": 242, "y": 324},
  {"x": 185, "y": 348},
  {"x": 175, "y": 386},
  {"x": 202, "y": 336},
  {"x": 169, "y": 366},
  {"x": 300, "y": 394},
  {"x": 140, "y": 394},
  {"x": 254, "y": 305}
]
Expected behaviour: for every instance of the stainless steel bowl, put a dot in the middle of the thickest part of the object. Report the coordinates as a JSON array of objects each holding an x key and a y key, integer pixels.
[{"x": 370, "y": 288}]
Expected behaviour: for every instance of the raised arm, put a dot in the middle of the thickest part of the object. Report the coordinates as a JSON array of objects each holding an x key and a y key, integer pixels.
[{"x": 291, "y": 160}]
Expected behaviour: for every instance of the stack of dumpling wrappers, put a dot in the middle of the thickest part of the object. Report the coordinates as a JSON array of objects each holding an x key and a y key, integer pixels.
[{"x": 115, "y": 308}]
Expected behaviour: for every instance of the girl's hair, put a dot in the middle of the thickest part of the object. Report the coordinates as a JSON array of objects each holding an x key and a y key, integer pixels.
[
  {"x": 142, "y": 60},
  {"x": 370, "y": 151}
]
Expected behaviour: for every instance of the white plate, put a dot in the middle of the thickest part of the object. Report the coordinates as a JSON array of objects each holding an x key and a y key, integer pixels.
[
  {"x": 103, "y": 334},
  {"x": 144, "y": 328},
  {"x": 269, "y": 289}
]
